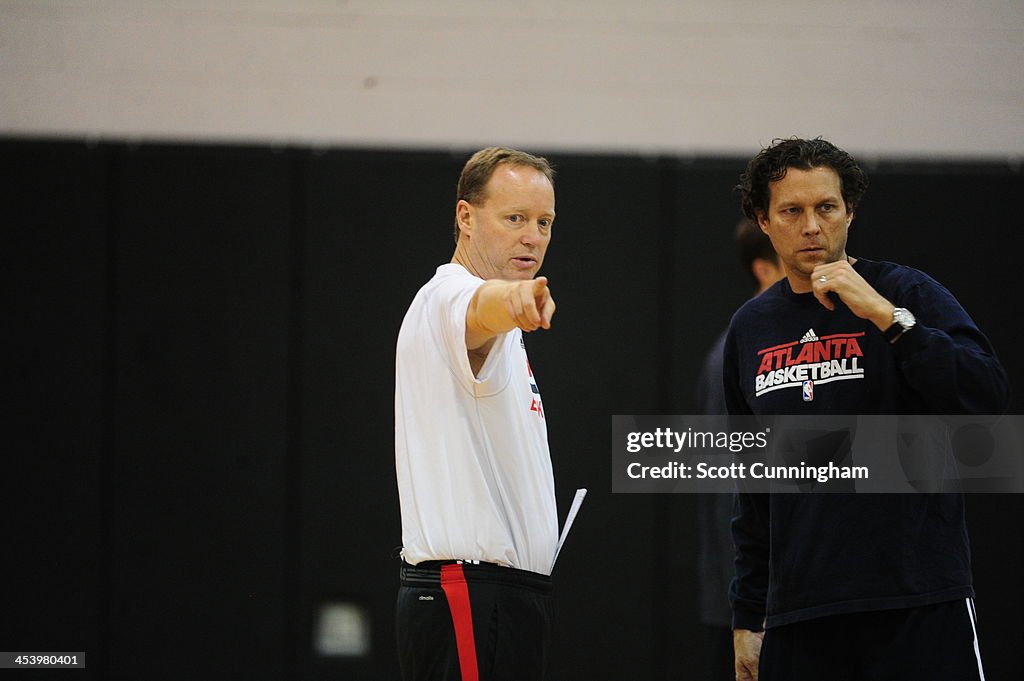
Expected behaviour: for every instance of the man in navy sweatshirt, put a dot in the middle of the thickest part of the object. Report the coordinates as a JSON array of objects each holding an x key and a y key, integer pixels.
[{"x": 848, "y": 586}]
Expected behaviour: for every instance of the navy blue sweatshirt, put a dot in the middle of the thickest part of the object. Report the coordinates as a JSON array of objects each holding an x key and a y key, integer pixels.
[{"x": 841, "y": 553}]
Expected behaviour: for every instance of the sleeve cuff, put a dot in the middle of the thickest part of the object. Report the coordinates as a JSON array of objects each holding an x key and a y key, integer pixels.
[
  {"x": 746, "y": 619},
  {"x": 910, "y": 342}
]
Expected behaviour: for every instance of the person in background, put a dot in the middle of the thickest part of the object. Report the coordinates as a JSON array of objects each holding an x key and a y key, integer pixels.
[{"x": 714, "y": 511}]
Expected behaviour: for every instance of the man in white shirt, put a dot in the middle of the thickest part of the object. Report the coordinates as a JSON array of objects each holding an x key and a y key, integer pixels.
[{"x": 479, "y": 527}]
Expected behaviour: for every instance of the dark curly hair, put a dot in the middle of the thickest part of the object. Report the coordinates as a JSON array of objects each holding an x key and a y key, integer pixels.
[{"x": 772, "y": 163}]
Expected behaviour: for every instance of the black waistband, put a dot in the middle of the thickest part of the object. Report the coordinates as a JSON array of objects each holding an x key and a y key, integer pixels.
[{"x": 428, "y": 573}]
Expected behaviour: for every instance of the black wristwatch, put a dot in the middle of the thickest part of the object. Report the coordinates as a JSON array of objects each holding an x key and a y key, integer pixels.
[{"x": 902, "y": 321}]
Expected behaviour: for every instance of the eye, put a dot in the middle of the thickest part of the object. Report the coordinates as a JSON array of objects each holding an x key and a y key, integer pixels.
[
  {"x": 828, "y": 207},
  {"x": 515, "y": 219},
  {"x": 544, "y": 223}
]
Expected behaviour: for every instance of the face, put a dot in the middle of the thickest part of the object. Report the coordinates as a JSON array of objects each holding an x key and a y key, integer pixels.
[
  {"x": 507, "y": 235},
  {"x": 807, "y": 222},
  {"x": 767, "y": 272}
]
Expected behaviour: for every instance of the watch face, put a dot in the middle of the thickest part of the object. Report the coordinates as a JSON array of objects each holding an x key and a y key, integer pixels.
[{"x": 903, "y": 317}]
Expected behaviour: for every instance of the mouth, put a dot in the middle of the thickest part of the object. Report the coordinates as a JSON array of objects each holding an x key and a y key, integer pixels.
[{"x": 524, "y": 261}]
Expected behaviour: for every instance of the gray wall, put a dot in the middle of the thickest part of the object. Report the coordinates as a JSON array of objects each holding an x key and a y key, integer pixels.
[{"x": 909, "y": 78}]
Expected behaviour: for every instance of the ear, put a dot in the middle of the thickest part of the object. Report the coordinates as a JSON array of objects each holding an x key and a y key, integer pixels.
[
  {"x": 762, "y": 222},
  {"x": 464, "y": 216},
  {"x": 849, "y": 219}
]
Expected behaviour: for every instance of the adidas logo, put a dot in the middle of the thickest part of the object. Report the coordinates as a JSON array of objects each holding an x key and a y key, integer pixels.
[{"x": 809, "y": 336}]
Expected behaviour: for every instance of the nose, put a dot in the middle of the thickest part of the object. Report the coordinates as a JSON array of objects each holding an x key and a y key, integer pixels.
[
  {"x": 531, "y": 235},
  {"x": 809, "y": 223}
]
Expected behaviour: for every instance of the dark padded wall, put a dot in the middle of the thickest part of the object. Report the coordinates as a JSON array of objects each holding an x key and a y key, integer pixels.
[
  {"x": 201, "y": 392},
  {"x": 601, "y": 358},
  {"x": 375, "y": 229},
  {"x": 54, "y": 268},
  {"x": 198, "y": 494}
]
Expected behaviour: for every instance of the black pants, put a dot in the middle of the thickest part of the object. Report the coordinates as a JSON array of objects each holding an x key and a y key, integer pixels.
[
  {"x": 928, "y": 643},
  {"x": 467, "y": 622}
]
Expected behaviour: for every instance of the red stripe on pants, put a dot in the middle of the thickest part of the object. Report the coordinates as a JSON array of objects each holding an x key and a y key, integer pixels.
[{"x": 453, "y": 581}]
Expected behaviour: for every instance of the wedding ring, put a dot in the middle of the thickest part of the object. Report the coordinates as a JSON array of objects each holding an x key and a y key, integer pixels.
[{"x": 823, "y": 279}]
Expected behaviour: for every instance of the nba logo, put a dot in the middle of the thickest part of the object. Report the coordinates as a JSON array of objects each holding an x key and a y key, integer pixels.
[{"x": 808, "y": 391}]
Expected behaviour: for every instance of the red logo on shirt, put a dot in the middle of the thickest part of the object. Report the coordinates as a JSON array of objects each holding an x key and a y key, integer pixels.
[
  {"x": 535, "y": 404},
  {"x": 821, "y": 360}
]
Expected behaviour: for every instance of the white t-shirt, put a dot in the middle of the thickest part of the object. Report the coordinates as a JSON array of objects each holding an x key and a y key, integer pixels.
[{"x": 471, "y": 452}]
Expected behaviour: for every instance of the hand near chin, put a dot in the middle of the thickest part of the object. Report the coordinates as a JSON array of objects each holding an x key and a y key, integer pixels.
[{"x": 863, "y": 300}]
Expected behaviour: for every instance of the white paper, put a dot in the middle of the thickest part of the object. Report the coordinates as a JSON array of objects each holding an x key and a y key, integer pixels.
[{"x": 573, "y": 510}]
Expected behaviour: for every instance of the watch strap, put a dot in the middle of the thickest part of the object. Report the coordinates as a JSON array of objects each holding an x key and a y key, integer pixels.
[{"x": 893, "y": 332}]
